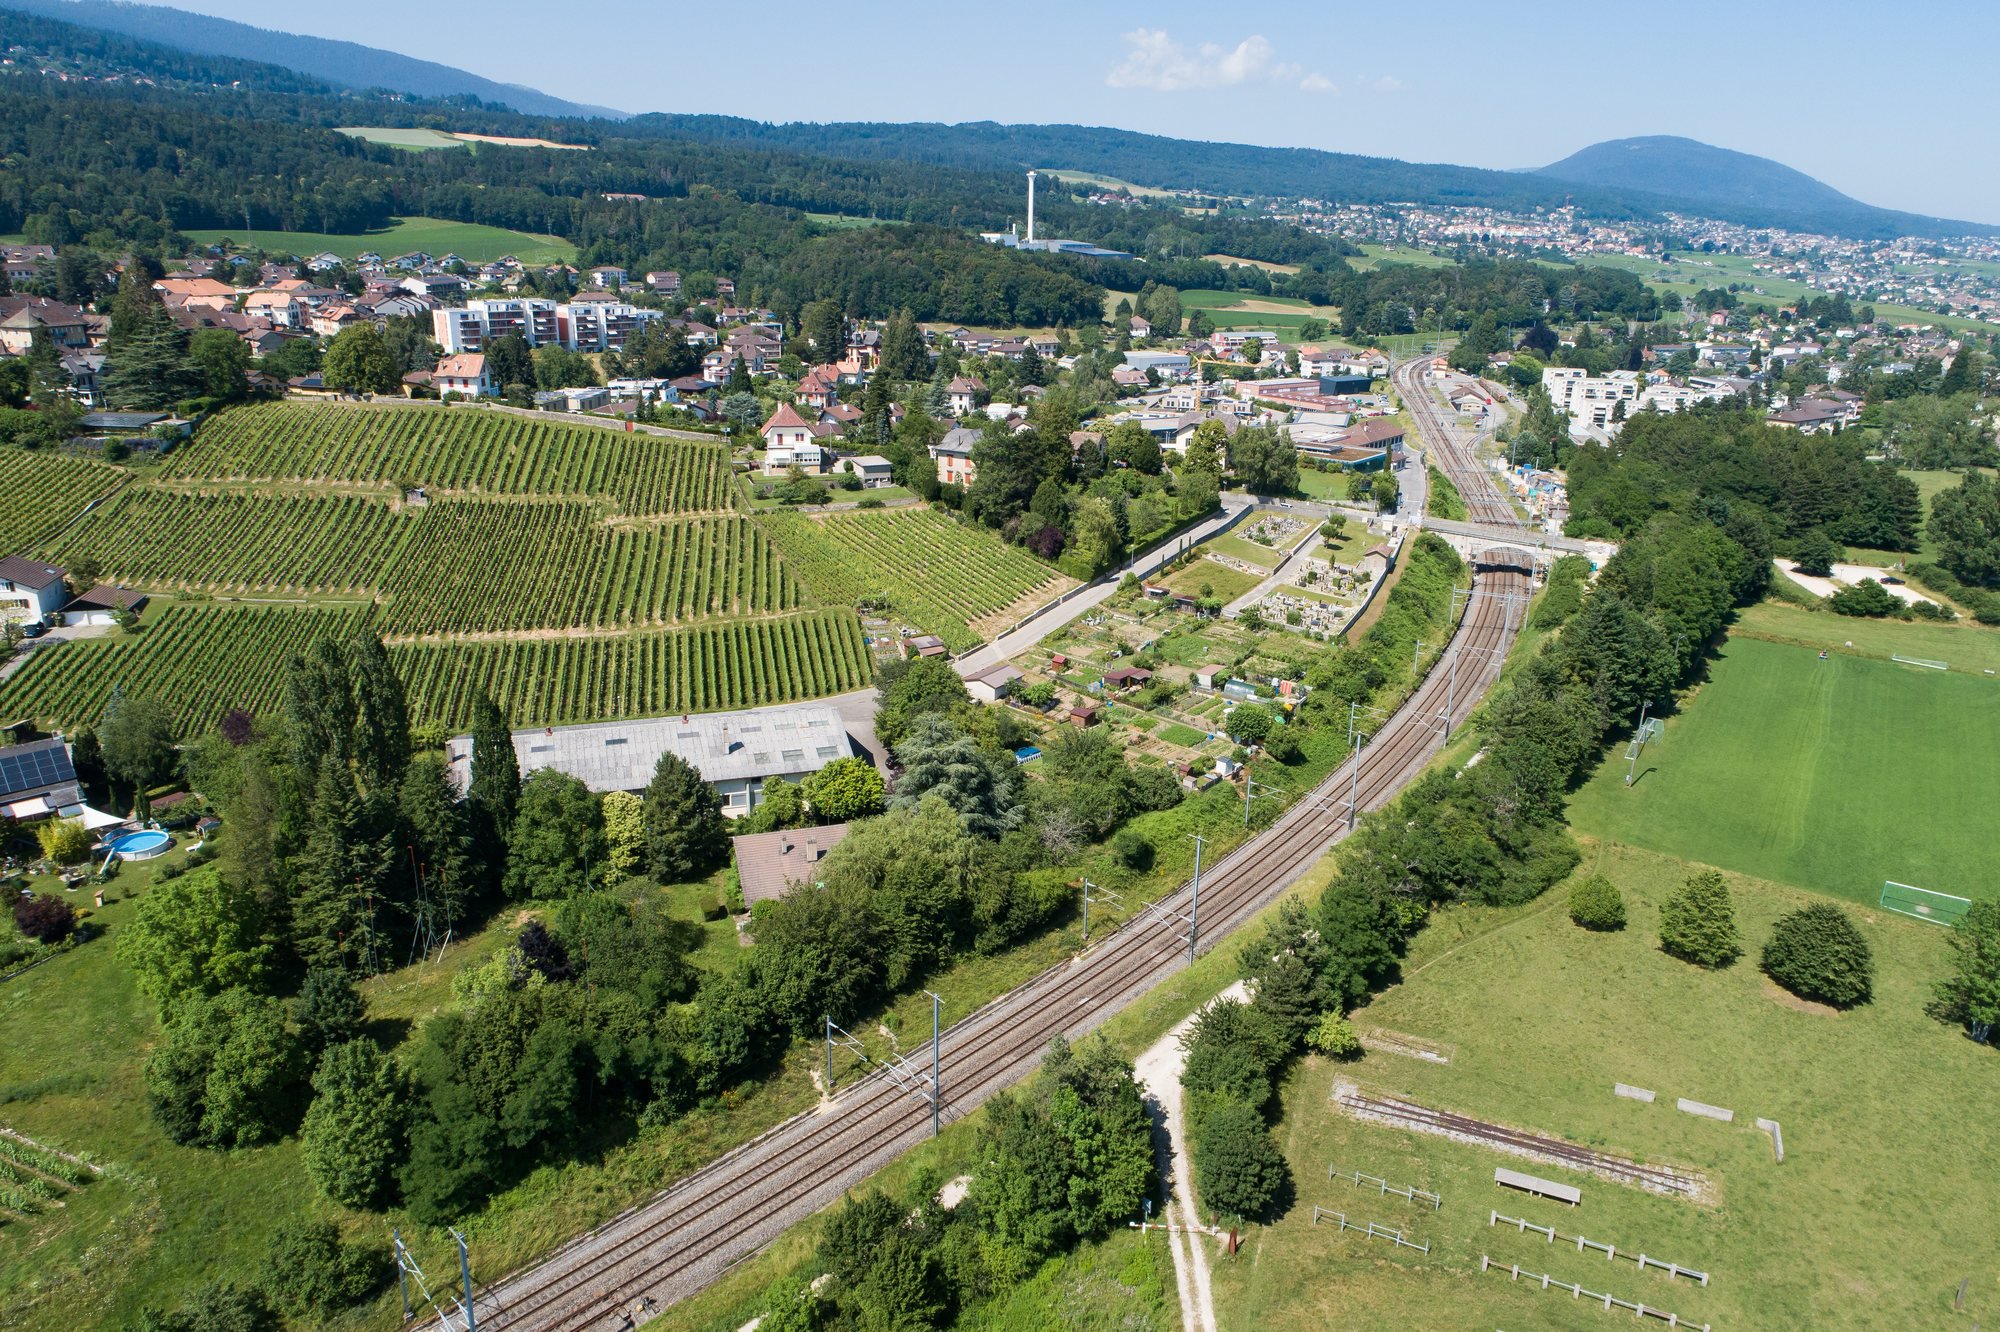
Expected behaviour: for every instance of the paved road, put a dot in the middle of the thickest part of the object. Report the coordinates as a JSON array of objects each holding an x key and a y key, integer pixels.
[{"x": 1045, "y": 622}]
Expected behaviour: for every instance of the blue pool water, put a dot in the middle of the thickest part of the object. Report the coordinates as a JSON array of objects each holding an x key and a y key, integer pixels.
[{"x": 141, "y": 845}]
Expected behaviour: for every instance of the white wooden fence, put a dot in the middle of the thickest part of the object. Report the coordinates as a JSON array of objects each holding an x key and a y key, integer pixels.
[
  {"x": 1610, "y": 1251},
  {"x": 1610, "y": 1302}
]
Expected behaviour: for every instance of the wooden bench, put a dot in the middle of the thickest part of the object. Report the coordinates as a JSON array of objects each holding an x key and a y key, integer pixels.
[{"x": 1543, "y": 1188}]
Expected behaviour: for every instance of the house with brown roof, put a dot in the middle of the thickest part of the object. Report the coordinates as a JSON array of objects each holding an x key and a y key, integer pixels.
[
  {"x": 789, "y": 440},
  {"x": 769, "y": 865},
  {"x": 30, "y": 587},
  {"x": 101, "y": 605},
  {"x": 963, "y": 394},
  {"x": 465, "y": 374}
]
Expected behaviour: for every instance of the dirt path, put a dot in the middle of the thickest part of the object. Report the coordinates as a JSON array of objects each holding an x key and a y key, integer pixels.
[{"x": 1159, "y": 1073}]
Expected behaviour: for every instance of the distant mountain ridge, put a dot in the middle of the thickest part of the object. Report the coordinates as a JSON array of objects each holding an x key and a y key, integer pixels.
[
  {"x": 348, "y": 64},
  {"x": 1248, "y": 169},
  {"x": 1680, "y": 168}
]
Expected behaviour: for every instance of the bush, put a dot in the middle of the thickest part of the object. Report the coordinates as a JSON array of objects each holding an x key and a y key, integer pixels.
[
  {"x": 1595, "y": 904},
  {"x": 216, "y": 1307},
  {"x": 1334, "y": 1037},
  {"x": 1866, "y": 597},
  {"x": 313, "y": 1274},
  {"x": 1698, "y": 923},
  {"x": 45, "y": 918},
  {"x": 1818, "y": 953},
  {"x": 1134, "y": 852},
  {"x": 1238, "y": 1168}
]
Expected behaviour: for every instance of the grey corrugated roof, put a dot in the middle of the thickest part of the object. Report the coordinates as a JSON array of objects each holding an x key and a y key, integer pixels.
[{"x": 723, "y": 746}]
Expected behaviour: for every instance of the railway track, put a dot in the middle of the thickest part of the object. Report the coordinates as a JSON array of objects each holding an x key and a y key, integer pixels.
[
  {"x": 689, "y": 1234},
  {"x": 1422, "y": 1118},
  {"x": 1483, "y": 501}
]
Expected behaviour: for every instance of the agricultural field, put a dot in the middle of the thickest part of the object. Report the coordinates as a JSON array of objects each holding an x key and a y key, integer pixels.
[
  {"x": 39, "y": 492},
  {"x": 945, "y": 576},
  {"x": 456, "y": 450},
  {"x": 705, "y": 668},
  {"x": 471, "y": 241},
  {"x": 1538, "y": 1019},
  {"x": 414, "y": 139},
  {"x": 157, "y": 538},
  {"x": 481, "y": 566},
  {"x": 1832, "y": 775},
  {"x": 198, "y": 660}
]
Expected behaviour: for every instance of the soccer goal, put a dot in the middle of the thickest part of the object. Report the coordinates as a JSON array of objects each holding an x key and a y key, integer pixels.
[{"x": 1922, "y": 903}]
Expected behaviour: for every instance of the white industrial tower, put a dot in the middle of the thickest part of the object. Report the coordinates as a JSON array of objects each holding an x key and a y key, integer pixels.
[{"x": 1031, "y": 208}]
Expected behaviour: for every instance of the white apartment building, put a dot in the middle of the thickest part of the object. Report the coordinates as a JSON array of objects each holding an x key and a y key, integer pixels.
[
  {"x": 583, "y": 326},
  {"x": 1590, "y": 401}
]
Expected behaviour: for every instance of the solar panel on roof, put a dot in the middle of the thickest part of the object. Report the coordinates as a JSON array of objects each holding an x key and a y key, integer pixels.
[{"x": 28, "y": 767}]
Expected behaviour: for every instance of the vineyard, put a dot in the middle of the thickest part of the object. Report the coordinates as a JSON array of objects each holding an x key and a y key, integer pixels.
[
  {"x": 39, "y": 492},
  {"x": 457, "y": 449},
  {"x": 450, "y": 566},
  {"x": 544, "y": 682},
  {"x": 942, "y": 574},
  {"x": 198, "y": 661},
  {"x": 478, "y": 566},
  {"x": 233, "y": 542}
]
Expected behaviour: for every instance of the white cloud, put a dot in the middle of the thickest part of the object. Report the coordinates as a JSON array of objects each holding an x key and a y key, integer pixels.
[
  {"x": 1388, "y": 83},
  {"x": 1154, "y": 60}
]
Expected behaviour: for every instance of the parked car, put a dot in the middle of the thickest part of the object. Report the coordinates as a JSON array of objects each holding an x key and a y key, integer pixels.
[{"x": 33, "y": 629}]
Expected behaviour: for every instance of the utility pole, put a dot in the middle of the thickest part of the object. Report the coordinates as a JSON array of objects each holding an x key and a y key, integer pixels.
[
  {"x": 465, "y": 1274},
  {"x": 1253, "y": 789}
]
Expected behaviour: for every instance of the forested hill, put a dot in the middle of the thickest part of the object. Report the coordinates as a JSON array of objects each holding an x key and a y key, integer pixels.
[
  {"x": 1244, "y": 169},
  {"x": 347, "y": 64},
  {"x": 38, "y": 44},
  {"x": 1721, "y": 178}
]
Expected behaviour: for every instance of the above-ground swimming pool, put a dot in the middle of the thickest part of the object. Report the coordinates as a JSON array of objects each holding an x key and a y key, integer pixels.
[{"x": 141, "y": 845}]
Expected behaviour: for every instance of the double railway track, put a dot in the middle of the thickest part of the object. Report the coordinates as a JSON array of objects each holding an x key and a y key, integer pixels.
[{"x": 686, "y": 1236}]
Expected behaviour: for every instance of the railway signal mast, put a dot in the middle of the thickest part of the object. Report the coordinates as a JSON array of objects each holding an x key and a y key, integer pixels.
[{"x": 456, "y": 1313}]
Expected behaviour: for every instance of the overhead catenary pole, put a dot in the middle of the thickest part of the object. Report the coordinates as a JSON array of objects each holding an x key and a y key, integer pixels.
[
  {"x": 937, "y": 1069},
  {"x": 1194, "y": 897},
  {"x": 1638, "y": 743}
]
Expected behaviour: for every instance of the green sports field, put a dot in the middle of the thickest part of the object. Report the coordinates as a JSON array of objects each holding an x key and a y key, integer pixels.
[
  {"x": 1832, "y": 775},
  {"x": 470, "y": 241}
]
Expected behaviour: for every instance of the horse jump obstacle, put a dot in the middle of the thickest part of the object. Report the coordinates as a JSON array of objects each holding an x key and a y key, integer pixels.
[
  {"x": 1610, "y": 1251},
  {"x": 1577, "y": 1292},
  {"x": 1378, "y": 1232},
  {"x": 1413, "y": 1194}
]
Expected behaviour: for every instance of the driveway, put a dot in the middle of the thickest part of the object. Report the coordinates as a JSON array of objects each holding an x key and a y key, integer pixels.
[{"x": 28, "y": 647}]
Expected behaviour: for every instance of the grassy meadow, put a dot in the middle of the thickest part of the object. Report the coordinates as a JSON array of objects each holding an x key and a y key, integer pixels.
[
  {"x": 1863, "y": 1226},
  {"x": 470, "y": 241},
  {"x": 1832, "y": 775}
]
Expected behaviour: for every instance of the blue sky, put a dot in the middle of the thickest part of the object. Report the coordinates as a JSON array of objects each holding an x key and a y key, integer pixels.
[{"x": 1885, "y": 103}]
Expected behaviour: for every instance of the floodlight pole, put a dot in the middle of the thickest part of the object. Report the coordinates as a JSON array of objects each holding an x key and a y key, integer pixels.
[{"x": 1638, "y": 743}]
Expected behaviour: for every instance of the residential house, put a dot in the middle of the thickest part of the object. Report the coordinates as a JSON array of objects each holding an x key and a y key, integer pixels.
[
  {"x": 769, "y": 865},
  {"x": 789, "y": 441},
  {"x": 281, "y": 308},
  {"x": 664, "y": 281},
  {"x": 607, "y": 277},
  {"x": 1811, "y": 416},
  {"x": 819, "y": 388},
  {"x": 963, "y": 394},
  {"x": 21, "y": 317},
  {"x": 38, "y": 779},
  {"x": 30, "y": 588},
  {"x": 1140, "y": 327},
  {"x": 197, "y": 291},
  {"x": 437, "y": 286},
  {"x": 953, "y": 456},
  {"x": 465, "y": 374}
]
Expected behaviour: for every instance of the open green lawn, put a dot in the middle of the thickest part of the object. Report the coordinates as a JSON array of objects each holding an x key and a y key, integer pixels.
[
  {"x": 1220, "y": 580},
  {"x": 1250, "y": 552},
  {"x": 1971, "y": 648},
  {"x": 1883, "y": 1203},
  {"x": 470, "y": 241},
  {"x": 1833, "y": 775},
  {"x": 1374, "y": 256},
  {"x": 416, "y": 140}
]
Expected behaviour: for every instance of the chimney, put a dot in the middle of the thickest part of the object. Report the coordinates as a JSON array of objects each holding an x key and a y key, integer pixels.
[
  {"x": 812, "y": 849},
  {"x": 1031, "y": 208}
]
